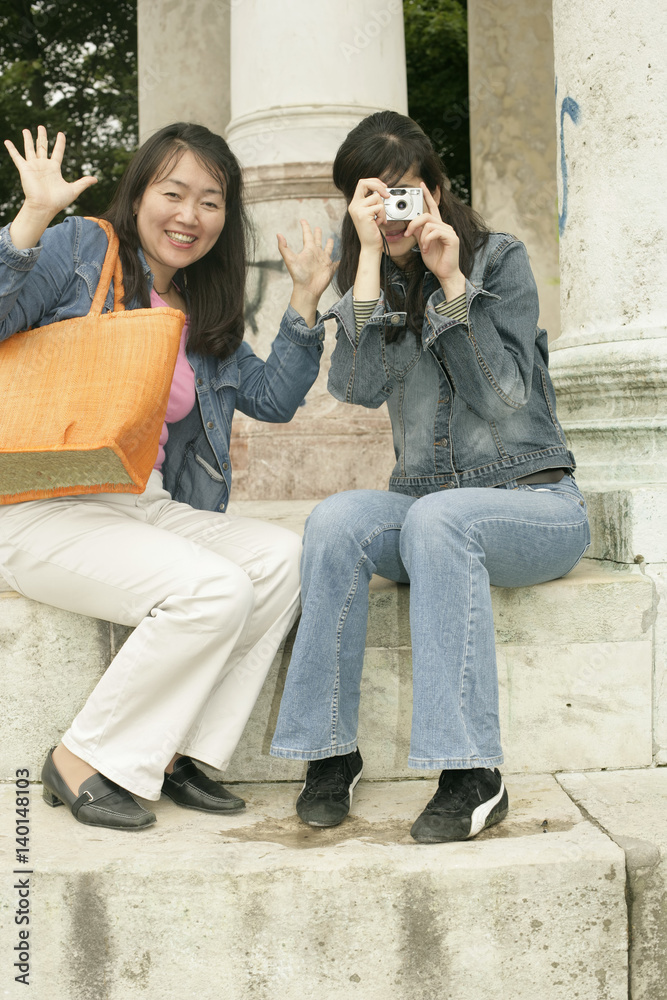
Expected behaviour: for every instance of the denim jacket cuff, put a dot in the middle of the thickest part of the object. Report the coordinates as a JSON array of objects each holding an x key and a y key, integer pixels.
[
  {"x": 343, "y": 311},
  {"x": 295, "y": 328},
  {"x": 20, "y": 260}
]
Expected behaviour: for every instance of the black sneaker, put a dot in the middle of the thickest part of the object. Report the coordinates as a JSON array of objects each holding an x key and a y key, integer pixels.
[
  {"x": 465, "y": 803},
  {"x": 326, "y": 796}
]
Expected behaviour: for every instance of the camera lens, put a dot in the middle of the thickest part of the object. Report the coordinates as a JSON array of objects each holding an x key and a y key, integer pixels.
[{"x": 401, "y": 205}]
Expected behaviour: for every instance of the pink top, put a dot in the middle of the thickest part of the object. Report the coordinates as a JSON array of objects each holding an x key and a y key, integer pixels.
[{"x": 182, "y": 394}]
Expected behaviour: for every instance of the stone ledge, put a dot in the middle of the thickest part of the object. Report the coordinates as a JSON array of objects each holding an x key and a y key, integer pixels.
[
  {"x": 574, "y": 664},
  {"x": 297, "y": 908},
  {"x": 631, "y": 808},
  {"x": 595, "y": 601}
]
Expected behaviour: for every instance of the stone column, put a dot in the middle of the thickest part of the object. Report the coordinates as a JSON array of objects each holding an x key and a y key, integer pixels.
[
  {"x": 611, "y": 359},
  {"x": 183, "y": 63},
  {"x": 302, "y": 75},
  {"x": 610, "y": 363},
  {"x": 513, "y": 134}
]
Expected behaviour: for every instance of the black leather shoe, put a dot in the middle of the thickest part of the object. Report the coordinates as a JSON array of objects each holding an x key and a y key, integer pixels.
[
  {"x": 100, "y": 802},
  {"x": 190, "y": 787}
]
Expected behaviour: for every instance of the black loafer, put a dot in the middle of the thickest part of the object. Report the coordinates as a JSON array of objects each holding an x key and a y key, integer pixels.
[
  {"x": 100, "y": 802},
  {"x": 190, "y": 787}
]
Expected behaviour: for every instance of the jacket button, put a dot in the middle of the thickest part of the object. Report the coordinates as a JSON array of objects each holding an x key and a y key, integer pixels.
[
  {"x": 395, "y": 320},
  {"x": 222, "y": 507},
  {"x": 225, "y": 465},
  {"x": 321, "y": 336},
  {"x": 210, "y": 424},
  {"x": 200, "y": 381},
  {"x": 444, "y": 441}
]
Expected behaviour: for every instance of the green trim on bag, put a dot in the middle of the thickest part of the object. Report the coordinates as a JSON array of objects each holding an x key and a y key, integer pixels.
[{"x": 47, "y": 470}]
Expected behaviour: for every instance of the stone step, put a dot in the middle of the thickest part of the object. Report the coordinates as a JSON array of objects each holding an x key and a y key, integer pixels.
[
  {"x": 260, "y": 906},
  {"x": 574, "y": 662},
  {"x": 631, "y": 808}
]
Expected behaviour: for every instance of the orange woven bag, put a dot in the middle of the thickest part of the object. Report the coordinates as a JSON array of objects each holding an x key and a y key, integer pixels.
[{"x": 83, "y": 401}]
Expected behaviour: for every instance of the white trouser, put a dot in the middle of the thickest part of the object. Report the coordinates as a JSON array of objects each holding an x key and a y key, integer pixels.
[{"x": 211, "y": 597}]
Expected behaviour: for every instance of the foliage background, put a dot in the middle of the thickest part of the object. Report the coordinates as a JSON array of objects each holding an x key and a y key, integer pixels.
[
  {"x": 72, "y": 65},
  {"x": 436, "y": 48}
]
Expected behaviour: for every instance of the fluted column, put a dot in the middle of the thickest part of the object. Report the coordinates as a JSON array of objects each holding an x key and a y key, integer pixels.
[{"x": 302, "y": 75}]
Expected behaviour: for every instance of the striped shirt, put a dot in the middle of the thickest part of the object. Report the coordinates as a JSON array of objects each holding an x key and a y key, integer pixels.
[{"x": 456, "y": 309}]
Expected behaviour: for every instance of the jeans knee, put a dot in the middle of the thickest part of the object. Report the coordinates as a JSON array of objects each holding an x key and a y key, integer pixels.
[
  {"x": 445, "y": 520},
  {"x": 329, "y": 524}
]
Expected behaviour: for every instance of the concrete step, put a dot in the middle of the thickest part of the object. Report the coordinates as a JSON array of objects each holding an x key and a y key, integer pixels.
[
  {"x": 260, "y": 906},
  {"x": 574, "y": 662},
  {"x": 631, "y": 808}
]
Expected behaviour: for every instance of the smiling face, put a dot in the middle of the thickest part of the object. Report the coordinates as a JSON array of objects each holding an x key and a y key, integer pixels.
[{"x": 179, "y": 217}]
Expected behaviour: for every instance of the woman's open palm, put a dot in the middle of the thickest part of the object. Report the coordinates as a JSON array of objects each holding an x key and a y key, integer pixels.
[
  {"x": 45, "y": 189},
  {"x": 312, "y": 268}
]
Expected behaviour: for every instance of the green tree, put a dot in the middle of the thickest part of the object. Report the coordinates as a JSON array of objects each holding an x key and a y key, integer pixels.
[
  {"x": 70, "y": 65},
  {"x": 436, "y": 46}
]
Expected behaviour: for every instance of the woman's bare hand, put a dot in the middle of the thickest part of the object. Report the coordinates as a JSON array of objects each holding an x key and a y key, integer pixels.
[
  {"x": 368, "y": 213},
  {"x": 439, "y": 246},
  {"x": 45, "y": 189},
  {"x": 311, "y": 270}
]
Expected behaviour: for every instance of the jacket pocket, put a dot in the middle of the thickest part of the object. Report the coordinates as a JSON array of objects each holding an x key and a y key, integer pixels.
[{"x": 213, "y": 473}]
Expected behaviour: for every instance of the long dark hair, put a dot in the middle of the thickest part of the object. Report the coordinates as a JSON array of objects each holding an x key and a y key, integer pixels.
[
  {"x": 215, "y": 283},
  {"x": 388, "y": 145}
]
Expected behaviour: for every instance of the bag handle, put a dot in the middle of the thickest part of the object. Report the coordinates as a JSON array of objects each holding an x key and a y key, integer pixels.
[{"x": 111, "y": 268}]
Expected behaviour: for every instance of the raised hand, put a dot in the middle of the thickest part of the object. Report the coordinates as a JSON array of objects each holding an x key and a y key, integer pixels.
[
  {"x": 439, "y": 246},
  {"x": 311, "y": 270},
  {"x": 46, "y": 191}
]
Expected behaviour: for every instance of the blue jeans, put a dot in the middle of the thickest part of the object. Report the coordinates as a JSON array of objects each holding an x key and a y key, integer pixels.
[{"x": 449, "y": 546}]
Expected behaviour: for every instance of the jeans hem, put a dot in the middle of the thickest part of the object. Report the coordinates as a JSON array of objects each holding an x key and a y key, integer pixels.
[
  {"x": 336, "y": 751},
  {"x": 453, "y": 763}
]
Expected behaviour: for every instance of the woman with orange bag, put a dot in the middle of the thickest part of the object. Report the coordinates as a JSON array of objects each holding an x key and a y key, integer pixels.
[{"x": 210, "y": 595}]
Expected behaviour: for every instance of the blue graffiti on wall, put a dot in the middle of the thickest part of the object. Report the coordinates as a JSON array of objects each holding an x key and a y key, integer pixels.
[{"x": 568, "y": 107}]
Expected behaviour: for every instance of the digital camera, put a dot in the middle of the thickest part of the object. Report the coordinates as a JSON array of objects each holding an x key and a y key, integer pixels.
[{"x": 404, "y": 203}]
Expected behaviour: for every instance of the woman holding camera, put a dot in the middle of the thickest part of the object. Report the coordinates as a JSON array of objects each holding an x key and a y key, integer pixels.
[
  {"x": 439, "y": 320},
  {"x": 210, "y": 596}
]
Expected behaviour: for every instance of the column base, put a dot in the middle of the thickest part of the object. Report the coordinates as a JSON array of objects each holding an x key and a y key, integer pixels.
[{"x": 612, "y": 403}]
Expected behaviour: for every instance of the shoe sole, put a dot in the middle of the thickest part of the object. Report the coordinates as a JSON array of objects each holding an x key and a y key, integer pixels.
[{"x": 339, "y": 821}]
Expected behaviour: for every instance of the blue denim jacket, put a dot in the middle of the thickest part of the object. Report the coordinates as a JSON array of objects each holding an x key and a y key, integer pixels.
[
  {"x": 469, "y": 405},
  {"x": 57, "y": 280}
]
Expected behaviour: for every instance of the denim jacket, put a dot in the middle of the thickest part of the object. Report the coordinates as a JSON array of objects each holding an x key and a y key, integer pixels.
[
  {"x": 469, "y": 405},
  {"x": 57, "y": 280}
]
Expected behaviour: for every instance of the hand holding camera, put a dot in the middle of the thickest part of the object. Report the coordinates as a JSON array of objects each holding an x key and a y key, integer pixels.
[
  {"x": 439, "y": 246},
  {"x": 367, "y": 213}
]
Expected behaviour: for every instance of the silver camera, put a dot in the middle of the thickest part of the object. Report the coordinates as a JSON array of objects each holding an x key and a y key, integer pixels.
[{"x": 404, "y": 203}]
